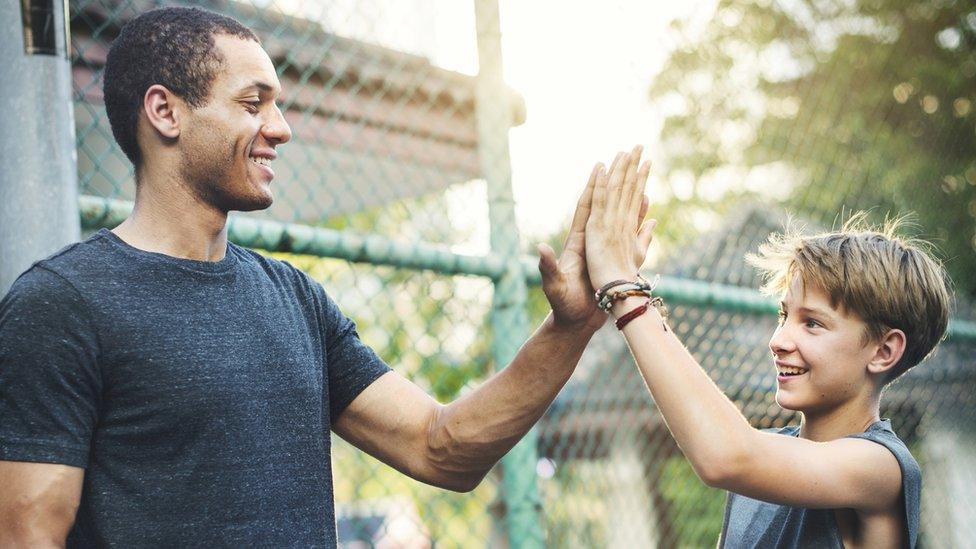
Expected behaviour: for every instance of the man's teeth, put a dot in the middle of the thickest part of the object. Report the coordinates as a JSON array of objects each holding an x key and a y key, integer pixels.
[
  {"x": 261, "y": 160},
  {"x": 791, "y": 371}
]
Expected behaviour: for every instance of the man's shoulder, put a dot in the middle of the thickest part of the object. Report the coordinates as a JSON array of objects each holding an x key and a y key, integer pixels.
[{"x": 67, "y": 266}]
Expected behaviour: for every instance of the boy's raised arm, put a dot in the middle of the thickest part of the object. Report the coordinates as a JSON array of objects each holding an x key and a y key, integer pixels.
[{"x": 725, "y": 451}]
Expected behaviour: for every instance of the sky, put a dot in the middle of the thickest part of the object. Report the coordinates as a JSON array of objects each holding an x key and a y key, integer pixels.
[{"x": 584, "y": 69}]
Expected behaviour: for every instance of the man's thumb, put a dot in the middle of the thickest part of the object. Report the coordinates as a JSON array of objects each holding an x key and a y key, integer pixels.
[{"x": 548, "y": 265}]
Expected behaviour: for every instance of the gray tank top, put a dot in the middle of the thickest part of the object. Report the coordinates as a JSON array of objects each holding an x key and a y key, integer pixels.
[{"x": 752, "y": 523}]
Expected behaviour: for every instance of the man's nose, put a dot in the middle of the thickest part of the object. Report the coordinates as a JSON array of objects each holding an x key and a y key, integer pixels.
[{"x": 276, "y": 130}]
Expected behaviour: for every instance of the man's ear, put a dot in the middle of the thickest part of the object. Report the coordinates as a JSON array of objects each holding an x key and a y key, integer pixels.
[
  {"x": 163, "y": 110},
  {"x": 890, "y": 349}
]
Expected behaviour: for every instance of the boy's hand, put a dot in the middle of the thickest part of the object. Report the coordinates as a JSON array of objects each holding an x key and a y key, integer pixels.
[{"x": 617, "y": 208}]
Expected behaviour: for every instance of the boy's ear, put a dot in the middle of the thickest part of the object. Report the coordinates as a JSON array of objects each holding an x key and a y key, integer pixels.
[
  {"x": 890, "y": 349},
  {"x": 162, "y": 109}
]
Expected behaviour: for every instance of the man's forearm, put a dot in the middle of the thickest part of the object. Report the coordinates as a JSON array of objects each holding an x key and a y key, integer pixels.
[{"x": 471, "y": 434}]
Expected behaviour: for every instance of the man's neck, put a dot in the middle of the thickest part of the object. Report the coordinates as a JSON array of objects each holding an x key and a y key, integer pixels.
[
  {"x": 854, "y": 416},
  {"x": 168, "y": 218}
]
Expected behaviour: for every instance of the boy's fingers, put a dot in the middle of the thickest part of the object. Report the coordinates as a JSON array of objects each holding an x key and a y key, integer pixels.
[
  {"x": 645, "y": 203},
  {"x": 598, "y": 202},
  {"x": 615, "y": 185},
  {"x": 644, "y": 237},
  {"x": 642, "y": 175},
  {"x": 630, "y": 180}
]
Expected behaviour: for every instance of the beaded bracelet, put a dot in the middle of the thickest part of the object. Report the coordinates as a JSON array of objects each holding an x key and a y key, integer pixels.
[{"x": 623, "y": 289}]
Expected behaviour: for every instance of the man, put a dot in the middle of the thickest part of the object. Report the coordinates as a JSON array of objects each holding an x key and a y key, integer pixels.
[{"x": 160, "y": 386}]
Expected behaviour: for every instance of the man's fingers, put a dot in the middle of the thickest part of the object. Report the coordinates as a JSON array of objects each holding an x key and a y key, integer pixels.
[{"x": 583, "y": 205}]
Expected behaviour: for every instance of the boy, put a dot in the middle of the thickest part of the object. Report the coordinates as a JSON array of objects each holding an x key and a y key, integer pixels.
[{"x": 859, "y": 308}]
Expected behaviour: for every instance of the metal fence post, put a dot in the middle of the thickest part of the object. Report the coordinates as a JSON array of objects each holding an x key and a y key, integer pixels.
[
  {"x": 39, "y": 190},
  {"x": 509, "y": 317}
]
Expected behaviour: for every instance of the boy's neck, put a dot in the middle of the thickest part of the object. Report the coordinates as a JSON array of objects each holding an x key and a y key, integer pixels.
[{"x": 849, "y": 418}]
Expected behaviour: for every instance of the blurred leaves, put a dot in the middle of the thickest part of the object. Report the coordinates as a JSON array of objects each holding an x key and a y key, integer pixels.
[{"x": 862, "y": 104}]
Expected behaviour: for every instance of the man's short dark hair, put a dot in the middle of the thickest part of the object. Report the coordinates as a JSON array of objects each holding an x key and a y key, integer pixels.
[{"x": 173, "y": 47}]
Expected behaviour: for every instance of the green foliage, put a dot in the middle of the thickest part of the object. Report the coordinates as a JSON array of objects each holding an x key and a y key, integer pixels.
[
  {"x": 697, "y": 510},
  {"x": 867, "y": 104}
]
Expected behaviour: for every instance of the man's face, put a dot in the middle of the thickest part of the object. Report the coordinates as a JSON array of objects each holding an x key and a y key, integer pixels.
[
  {"x": 819, "y": 351},
  {"x": 228, "y": 144}
]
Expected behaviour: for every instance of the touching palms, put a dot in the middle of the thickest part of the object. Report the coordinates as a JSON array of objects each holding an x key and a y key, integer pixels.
[{"x": 566, "y": 281}]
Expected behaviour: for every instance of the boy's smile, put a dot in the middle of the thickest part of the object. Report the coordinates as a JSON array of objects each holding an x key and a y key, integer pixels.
[{"x": 820, "y": 352}]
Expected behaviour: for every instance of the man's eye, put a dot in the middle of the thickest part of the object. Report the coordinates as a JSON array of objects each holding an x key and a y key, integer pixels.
[{"x": 252, "y": 106}]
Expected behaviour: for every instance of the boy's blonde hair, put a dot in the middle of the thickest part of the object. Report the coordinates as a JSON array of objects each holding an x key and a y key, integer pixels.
[{"x": 887, "y": 280}]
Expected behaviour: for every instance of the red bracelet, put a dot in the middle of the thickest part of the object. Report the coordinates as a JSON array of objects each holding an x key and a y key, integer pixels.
[{"x": 622, "y": 321}]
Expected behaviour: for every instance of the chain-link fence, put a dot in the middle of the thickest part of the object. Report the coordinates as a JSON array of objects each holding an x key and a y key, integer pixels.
[{"x": 398, "y": 182}]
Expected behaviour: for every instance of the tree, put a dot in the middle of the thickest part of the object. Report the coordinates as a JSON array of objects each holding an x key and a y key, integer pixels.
[{"x": 828, "y": 106}]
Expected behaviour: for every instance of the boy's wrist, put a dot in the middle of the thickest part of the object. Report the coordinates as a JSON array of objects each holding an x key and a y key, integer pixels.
[{"x": 624, "y": 306}]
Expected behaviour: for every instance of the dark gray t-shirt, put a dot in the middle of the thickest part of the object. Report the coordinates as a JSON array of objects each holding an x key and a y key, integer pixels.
[
  {"x": 752, "y": 523},
  {"x": 198, "y": 396}
]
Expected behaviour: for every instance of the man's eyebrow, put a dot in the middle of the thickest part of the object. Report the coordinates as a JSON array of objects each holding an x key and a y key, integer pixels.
[{"x": 261, "y": 85}]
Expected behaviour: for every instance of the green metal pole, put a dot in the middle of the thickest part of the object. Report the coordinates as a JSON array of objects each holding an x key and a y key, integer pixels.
[{"x": 509, "y": 318}]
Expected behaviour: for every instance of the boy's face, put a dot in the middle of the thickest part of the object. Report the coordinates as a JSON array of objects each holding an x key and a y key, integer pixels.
[{"x": 819, "y": 351}]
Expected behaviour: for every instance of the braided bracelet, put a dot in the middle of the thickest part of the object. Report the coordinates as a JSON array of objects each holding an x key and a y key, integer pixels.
[
  {"x": 655, "y": 302},
  {"x": 625, "y": 319}
]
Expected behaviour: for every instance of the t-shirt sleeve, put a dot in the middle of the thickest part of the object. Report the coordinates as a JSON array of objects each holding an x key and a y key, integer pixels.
[
  {"x": 50, "y": 384},
  {"x": 911, "y": 478},
  {"x": 352, "y": 365}
]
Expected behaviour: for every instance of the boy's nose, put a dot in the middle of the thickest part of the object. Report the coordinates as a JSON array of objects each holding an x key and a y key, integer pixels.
[{"x": 780, "y": 343}]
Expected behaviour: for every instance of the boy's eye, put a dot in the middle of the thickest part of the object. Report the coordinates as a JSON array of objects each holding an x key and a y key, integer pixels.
[
  {"x": 782, "y": 316},
  {"x": 811, "y": 323}
]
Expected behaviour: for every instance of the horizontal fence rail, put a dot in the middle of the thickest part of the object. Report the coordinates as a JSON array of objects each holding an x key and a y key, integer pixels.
[{"x": 275, "y": 236}]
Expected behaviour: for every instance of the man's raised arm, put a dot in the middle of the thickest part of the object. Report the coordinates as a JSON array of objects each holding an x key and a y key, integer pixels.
[{"x": 454, "y": 446}]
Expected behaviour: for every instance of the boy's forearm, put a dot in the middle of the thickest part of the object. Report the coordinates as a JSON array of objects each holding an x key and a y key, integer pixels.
[
  {"x": 472, "y": 433},
  {"x": 707, "y": 426}
]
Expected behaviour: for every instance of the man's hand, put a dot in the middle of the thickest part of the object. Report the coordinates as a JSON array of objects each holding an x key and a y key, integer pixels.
[
  {"x": 566, "y": 280},
  {"x": 616, "y": 211}
]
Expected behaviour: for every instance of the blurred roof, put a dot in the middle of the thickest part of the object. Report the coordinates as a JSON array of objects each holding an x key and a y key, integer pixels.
[{"x": 371, "y": 124}]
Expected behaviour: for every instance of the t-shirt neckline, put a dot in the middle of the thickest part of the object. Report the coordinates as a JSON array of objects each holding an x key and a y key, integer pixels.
[{"x": 228, "y": 262}]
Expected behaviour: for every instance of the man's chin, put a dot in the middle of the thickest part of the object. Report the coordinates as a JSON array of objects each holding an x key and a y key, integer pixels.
[
  {"x": 254, "y": 204},
  {"x": 260, "y": 199}
]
